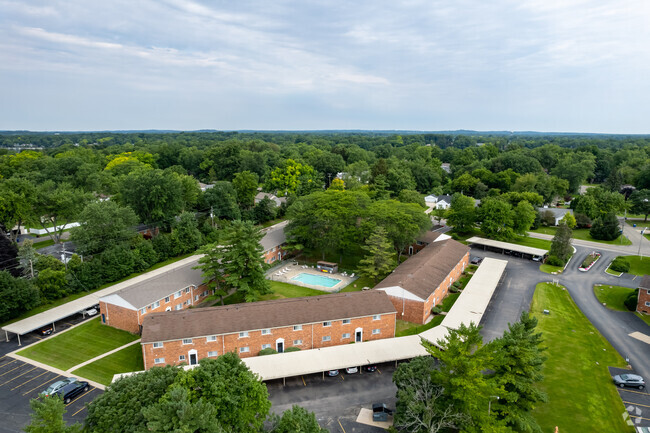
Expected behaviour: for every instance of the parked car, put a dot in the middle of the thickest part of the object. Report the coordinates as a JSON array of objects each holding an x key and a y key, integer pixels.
[
  {"x": 538, "y": 258},
  {"x": 72, "y": 390},
  {"x": 333, "y": 373},
  {"x": 91, "y": 311},
  {"x": 476, "y": 260},
  {"x": 631, "y": 380},
  {"x": 57, "y": 386},
  {"x": 46, "y": 330},
  {"x": 351, "y": 370},
  {"x": 370, "y": 368}
]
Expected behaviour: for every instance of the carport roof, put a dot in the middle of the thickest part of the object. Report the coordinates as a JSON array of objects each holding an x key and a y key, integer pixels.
[
  {"x": 507, "y": 246},
  {"x": 52, "y": 315}
]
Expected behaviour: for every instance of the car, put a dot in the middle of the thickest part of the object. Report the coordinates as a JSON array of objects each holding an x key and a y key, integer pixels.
[
  {"x": 538, "y": 258},
  {"x": 351, "y": 370},
  {"x": 91, "y": 311},
  {"x": 631, "y": 380},
  {"x": 333, "y": 373},
  {"x": 370, "y": 368},
  {"x": 57, "y": 386},
  {"x": 46, "y": 330},
  {"x": 476, "y": 260},
  {"x": 72, "y": 390}
]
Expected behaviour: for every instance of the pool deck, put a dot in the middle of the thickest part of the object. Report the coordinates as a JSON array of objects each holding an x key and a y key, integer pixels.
[{"x": 287, "y": 271}]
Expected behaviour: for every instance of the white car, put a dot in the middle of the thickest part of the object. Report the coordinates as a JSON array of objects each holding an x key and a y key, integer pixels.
[
  {"x": 91, "y": 311},
  {"x": 351, "y": 370}
]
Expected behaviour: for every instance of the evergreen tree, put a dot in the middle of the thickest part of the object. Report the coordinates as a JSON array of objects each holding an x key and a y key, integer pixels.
[
  {"x": 380, "y": 257},
  {"x": 561, "y": 245},
  {"x": 605, "y": 228},
  {"x": 210, "y": 264},
  {"x": 297, "y": 420},
  {"x": 48, "y": 416}
]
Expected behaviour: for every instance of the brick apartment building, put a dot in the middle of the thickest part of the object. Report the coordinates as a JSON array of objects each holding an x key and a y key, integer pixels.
[
  {"x": 424, "y": 279},
  {"x": 175, "y": 288},
  {"x": 307, "y": 323},
  {"x": 425, "y": 239},
  {"x": 643, "y": 305},
  {"x": 272, "y": 242}
]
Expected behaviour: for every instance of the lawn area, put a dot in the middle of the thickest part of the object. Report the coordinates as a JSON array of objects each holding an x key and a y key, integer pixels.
[
  {"x": 638, "y": 265},
  {"x": 581, "y": 396},
  {"x": 449, "y": 300},
  {"x": 78, "y": 345},
  {"x": 549, "y": 269},
  {"x": 612, "y": 296},
  {"x": 123, "y": 361},
  {"x": 286, "y": 290},
  {"x": 72, "y": 297},
  {"x": 404, "y": 328},
  {"x": 360, "y": 283},
  {"x": 532, "y": 242},
  {"x": 583, "y": 234},
  {"x": 43, "y": 244}
]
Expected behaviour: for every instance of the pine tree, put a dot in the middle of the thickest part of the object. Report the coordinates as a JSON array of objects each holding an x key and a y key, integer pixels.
[
  {"x": 380, "y": 257},
  {"x": 605, "y": 228},
  {"x": 48, "y": 417},
  {"x": 561, "y": 245}
]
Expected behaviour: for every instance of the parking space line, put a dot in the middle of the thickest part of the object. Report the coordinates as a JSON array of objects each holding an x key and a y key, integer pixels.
[
  {"x": 91, "y": 390},
  {"x": 7, "y": 363},
  {"x": 1, "y": 384},
  {"x": 378, "y": 370},
  {"x": 636, "y": 392},
  {"x": 635, "y": 404},
  {"x": 36, "y": 336},
  {"x": 42, "y": 384},
  {"x": 15, "y": 387},
  {"x": 84, "y": 406},
  {"x": 341, "y": 425},
  {"x": 634, "y": 416},
  {"x": 303, "y": 380},
  {"x": 15, "y": 368},
  {"x": 342, "y": 378}
]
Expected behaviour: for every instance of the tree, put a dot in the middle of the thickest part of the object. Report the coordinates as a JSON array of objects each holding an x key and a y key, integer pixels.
[
  {"x": 102, "y": 224},
  {"x": 337, "y": 184},
  {"x": 464, "y": 184},
  {"x": 585, "y": 205},
  {"x": 8, "y": 256},
  {"x": 264, "y": 210},
  {"x": 155, "y": 196},
  {"x": 517, "y": 370},
  {"x": 47, "y": 416},
  {"x": 569, "y": 220},
  {"x": 245, "y": 184},
  {"x": 561, "y": 244},
  {"x": 212, "y": 269},
  {"x": 58, "y": 205},
  {"x": 576, "y": 168},
  {"x": 605, "y": 228},
  {"x": 640, "y": 201},
  {"x": 51, "y": 283},
  {"x": 439, "y": 214},
  {"x": 296, "y": 420},
  {"x": 496, "y": 218},
  {"x": 523, "y": 217},
  {"x": 410, "y": 196},
  {"x": 380, "y": 257},
  {"x": 462, "y": 213},
  {"x": 222, "y": 201},
  {"x": 292, "y": 177},
  {"x": 117, "y": 262},
  {"x": 185, "y": 233},
  {"x": 17, "y": 198},
  {"x": 17, "y": 295},
  {"x": 547, "y": 218}
]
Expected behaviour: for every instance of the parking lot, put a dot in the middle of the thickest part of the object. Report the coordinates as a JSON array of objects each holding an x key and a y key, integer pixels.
[
  {"x": 636, "y": 401},
  {"x": 21, "y": 382}
]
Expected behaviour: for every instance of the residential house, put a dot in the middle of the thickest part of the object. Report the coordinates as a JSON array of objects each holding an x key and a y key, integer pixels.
[
  {"x": 424, "y": 279},
  {"x": 643, "y": 303},
  {"x": 446, "y": 167},
  {"x": 273, "y": 242},
  {"x": 425, "y": 239},
  {"x": 558, "y": 213},
  {"x": 438, "y": 201},
  {"x": 306, "y": 323},
  {"x": 277, "y": 200}
]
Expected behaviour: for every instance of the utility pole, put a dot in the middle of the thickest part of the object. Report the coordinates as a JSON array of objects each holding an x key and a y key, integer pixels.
[
  {"x": 212, "y": 215},
  {"x": 31, "y": 267}
]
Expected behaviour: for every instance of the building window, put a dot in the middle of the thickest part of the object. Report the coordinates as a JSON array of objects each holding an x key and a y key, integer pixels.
[
  {"x": 213, "y": 353},
  {"x": 647, "y": 304},
  {"x": 297, "y": 342},
  {"x": 325, "y": 324},
  {"x": 266, "y": 346},
  {"x": 266, "y": 331},
  {"x": 196, "y": 297},
  {"x": 186, "y": 302},
  {"x": 143, "y": 310},
  {"x": 297, "y": 327},
  {"x": 187, "y": 341},
  {"x": 346, "y": 335},
  {"x": 375, "y": 331},
  {"x": 178, "y": 294},
  {"x": 326, "y": 338},
  {"x": 159, "y": 361},
  {"x": 167, "y": 299},
  {"x": 243, "y": 349},
  {"x": 157, "y": 345},
  {"x": 178, "y": 307},
  {"x": 155, "y": 305},
  {"x": 187, "y": 290},
  {"x": 205, "y": 293},
  {"x": 376, "y": 317},
  {"x": 648, "y": 291},
  {"x": 243, "y": 334},
  {"x": 181, "y": 358},
  {"x": 346, "y": 321},
  {"x": 211, "y": 338}
]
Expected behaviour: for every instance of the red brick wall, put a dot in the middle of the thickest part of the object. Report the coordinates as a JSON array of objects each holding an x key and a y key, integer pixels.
[
  {"x": 644, "y": 296},
  {"x": 273, "y": 253},
  {"x": 171, "y": 350},
  {"x": 119, "y": 317}
]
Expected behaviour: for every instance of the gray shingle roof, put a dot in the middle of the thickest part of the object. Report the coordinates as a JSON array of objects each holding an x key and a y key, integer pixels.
[
  {"x": 274, "y": 237},
  {"x": 645, "y": 282}
]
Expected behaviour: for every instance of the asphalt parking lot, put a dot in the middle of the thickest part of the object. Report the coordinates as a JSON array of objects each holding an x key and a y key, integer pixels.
[
  {"x": 636, "y": 401},
  {"x": 21, "y": 382}
]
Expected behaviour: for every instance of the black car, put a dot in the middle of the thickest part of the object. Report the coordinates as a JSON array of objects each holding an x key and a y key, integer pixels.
[
  {"x": 631, "y": 380},
  {"x": 370, "y": 368},
  {"x": 72, "y": 390},
  {"x": 476, "y": 260},
  {"x": 46, "y": 330}
]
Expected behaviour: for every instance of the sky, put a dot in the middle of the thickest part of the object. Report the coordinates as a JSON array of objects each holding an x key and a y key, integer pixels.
[{"x": 539, "y": 65}]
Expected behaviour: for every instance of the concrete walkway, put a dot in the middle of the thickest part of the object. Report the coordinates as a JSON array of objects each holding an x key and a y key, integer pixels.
[{"x": 102, "y": 355}]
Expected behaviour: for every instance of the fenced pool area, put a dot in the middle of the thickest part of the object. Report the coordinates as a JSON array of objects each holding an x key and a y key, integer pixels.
[{"x": 307, "y": 276}]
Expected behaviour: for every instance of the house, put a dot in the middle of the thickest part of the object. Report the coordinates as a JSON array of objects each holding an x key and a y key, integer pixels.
[
  {"x": 643, "y": 303},
  {"x": 273, "y": 242},
  {"x": 277, "y": 200},
  {"x": 177, "y": 287},
  {"x": 558, "y": 213},
  {"x": 425, "y": 239},
  {"x": 438, "y": 202},
  {"x": 306, "y": 323},
  {"x": 205, "y": 186},
  {"x": 446, "y": 167},
  {"x": 424, "y": 279}
]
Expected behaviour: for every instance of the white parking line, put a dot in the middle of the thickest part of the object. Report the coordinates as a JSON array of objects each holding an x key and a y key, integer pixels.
[{"x": 640, "y": 336}]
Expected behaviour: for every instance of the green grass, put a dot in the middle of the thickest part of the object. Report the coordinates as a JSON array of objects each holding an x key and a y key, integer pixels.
[
  {"x": 43, "y": 244},
  {"x": 644, "y": 317},
  {"x": 614, "y": 273},
  {"x": 612, "y": 296},
  {"x": 583, "y": 234},
  {"x": 404, "y": 328},
  {"x": 581, "y": 396},
  {"x": 285, "y": 290},
  {"x": 591, "y": 258},
  {"x": 78, "y": 345},
  {"x": 360, "y": 283},
  {"x": 124, "y": 361},
  {"x": 449, "y": 301},
  {"x": 532, "y": 242},
  {"x": 638, "y": 265},
  {"x": 549, "y": 269},
  {"x": 74, "y": 296}
]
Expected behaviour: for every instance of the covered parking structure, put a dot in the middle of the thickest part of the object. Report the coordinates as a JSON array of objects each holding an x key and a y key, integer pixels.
[
  {"x": 49, "y": 317},
  {"x": 507, "y": 248}
]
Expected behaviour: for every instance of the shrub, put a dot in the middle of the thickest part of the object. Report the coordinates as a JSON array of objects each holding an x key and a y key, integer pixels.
[
  {"x": 620, "y": 264},
  {"x": 591, "y": 258},
  {"x": 632, "y": 300},
  {"x": 292, "y": 349},
  {"x": 554, "y": 261},
  {"x": 605, "y": 228},
  {"x": 436, "y": 310},
  {"x": 267, "y": 351},
  {"x": 583, "y": 221}
]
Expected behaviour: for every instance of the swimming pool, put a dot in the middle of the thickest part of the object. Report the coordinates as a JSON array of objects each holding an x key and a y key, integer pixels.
[{"x": 316, "y": 280}]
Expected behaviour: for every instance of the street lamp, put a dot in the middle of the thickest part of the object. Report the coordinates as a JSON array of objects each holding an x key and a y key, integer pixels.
[
  {"x": 490, "y": 402},
  {"x": 641, "y": 242}
]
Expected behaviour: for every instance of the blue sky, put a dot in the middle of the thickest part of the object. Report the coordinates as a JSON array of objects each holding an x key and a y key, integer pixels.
[{"x": 545, "y": 65}]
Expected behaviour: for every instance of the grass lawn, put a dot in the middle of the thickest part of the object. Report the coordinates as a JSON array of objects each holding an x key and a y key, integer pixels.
[
  {"x": 532, "y": 242},
  {"x": 644, "y": 317},
  {"x": 638, "y": 265},
  {"x": 78, "y": 345},
  {"x": 612, "y": 296},
  {"x": 449, "y": 300},
  {"x": 69, "y": 298},
  {"x": 286, "y": 290},
  {"x": 549, "y": 269},
  {"x": 404, "y": 328},
  {"x": 360, "y": 283},
  {"x": 581, "y": 396},
  {"x": 43, "y": 244},
  {"x": 583, "y": 234},
  {"x": 124, "y": 361},
  {"x": 614, "y": 273}
]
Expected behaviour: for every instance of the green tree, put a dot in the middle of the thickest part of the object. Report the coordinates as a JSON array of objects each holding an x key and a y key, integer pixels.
[
  {"x": 462, "y": 213},
  {"x": 496, "y": 218},
  {"x": 569, "y": 220},
  {"x": 17, "y": 199},
  {"x": 186, "y": 236},
  {"x": 464, "y": 184},
  {"x": 8, "y": 256},
  {"x": 212, "y": 269},
  {"x": 606, "y": 227},
  {"x": 103, "y": 224},
  {"x": 296, "y": 420},
  {"x": 640, "y": 201},
  {"x": 154, "y": 195},
  {"x": 51, "y": 283},
  {"x": 58, "y": 205},
  {"x": 245, "y": 184},
  {"x": 561, "y": 244},
  {"x": 380, "y": 257},
  {"x": 292, "y": 177},
  {"x": 222, "y": 201},
  {"x": 117, "y": 262},
  {"x": 576, "y": 168},
  {"x": 523, "y": 217},
  {"x": 439, "y": 214},
  {"x": 411, "y": 196},
  {"x": 265, "y": 210},
  {"x": 47, "y": 417},
  {"x": 17, "y": 295}
]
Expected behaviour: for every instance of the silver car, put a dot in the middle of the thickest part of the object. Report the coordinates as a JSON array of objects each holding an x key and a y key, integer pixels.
[
  {"x": 52, "y": 389},
  {"x": 631, "y": 380}
]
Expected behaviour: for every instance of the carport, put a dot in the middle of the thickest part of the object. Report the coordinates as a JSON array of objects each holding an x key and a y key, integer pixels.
[
  {"x": 507, "y": 247},
  {"x": 49, "y": 317}
]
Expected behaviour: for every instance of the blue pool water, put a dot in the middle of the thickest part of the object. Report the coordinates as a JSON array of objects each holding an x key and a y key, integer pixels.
[{"x": 316, "y": 280}]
